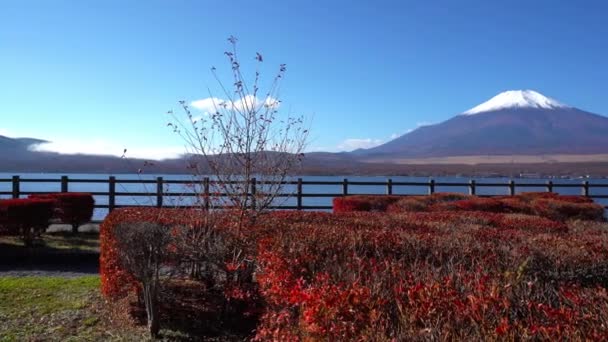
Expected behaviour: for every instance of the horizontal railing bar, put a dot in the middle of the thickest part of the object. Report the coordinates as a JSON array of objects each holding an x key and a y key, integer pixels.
[
  {"x": 493, "y": 184},
  {"x": 79, "y": 180},
  {"x": 452, "y": 184},
  {"x": 304, "y": 182},
  {"x": 40, "y": 180},
  {"x": 568, "y": 185},
  {"x": 135, "y": 181},
  {"x": 410, "y": 184},
  {"x": 105, "y": 206},
  {"x": 322, "y": 183},
  {"x": 362, "y": 183}
]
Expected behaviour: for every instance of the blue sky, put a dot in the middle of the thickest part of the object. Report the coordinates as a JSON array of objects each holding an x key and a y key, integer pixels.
[{"x": 100, "y": 75}]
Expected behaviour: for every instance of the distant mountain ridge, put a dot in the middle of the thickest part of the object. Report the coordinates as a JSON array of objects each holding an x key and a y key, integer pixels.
[
  {"x": 520, "y": 122},
  {"x": 513, "y": 123}
]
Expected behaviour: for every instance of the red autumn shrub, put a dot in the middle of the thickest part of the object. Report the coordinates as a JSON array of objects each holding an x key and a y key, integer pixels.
[
  {"x": 462, "y": 278},
  {"x": 210, "y": 241},
  {"x": 472, "y": 204},
  {"x": 531, "y": 223},
  {"x": 456, "y": 275},
  {"x": 71, "y": 208},
  {"x": 575, "y": 199},
  {"x": 348, "y": 204},
  {"x": 115, "y": 280},
  {"x": 449, "y": 196},
  {"x": 521, "y": 203},
  {"x": 411, "y": 204},
  {"x": 557, "y": 209},
  {"x": 530, "y": 196},
  {"x": 515, "y": 204},
  {"x": 363, "y": 203},
  {"x": 25, "y": 217}
]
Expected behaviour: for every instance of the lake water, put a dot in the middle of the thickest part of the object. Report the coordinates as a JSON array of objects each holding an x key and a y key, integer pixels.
[{"x": 127, "y": 199}]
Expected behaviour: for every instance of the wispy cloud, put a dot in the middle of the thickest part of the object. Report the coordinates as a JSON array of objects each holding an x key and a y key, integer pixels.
[
  {"x": 103, "y": 147},
  {"x": 420, "y": 124},
  {"x": 353, "y": 144},
  {"x": 213, "y": 104},
  {"x": 208, "y": 105}
]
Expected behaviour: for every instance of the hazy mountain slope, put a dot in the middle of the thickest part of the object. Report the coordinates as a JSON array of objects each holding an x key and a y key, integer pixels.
[{"x": 541, "y": 126}]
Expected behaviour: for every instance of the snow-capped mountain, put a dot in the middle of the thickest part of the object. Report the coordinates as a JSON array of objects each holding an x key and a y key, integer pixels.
[
  {"x": 516, "y": 122},
  {"x": 516, "y": 99}
]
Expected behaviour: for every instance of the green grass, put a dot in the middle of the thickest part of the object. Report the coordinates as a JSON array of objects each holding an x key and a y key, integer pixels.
[{"x": 55, "y": 309}]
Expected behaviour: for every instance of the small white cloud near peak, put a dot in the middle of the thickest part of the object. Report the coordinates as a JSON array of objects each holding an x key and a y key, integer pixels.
[
  {"x": 516, "y": 99},
  {"x": 354, "y": 144}
]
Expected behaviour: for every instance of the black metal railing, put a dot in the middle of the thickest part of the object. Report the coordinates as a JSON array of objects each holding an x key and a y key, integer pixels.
[{"x": 205, "y": 184}]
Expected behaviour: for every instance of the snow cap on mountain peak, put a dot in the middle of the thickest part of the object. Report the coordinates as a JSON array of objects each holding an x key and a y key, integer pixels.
[{"x": 516, "y": 99}]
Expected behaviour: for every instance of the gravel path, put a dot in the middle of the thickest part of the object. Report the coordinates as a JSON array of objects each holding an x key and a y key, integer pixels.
[
  {"x": 71, "y": 270},
  {"x": 69, "y": 266}
]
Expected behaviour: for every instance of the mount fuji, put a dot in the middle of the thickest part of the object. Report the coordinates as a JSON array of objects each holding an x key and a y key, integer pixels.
[{"x": 516, "y": 122}]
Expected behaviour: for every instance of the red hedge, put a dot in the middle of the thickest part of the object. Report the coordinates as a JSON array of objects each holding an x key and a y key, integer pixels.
[
  {"x": 338, "y": 278},
  {"x": 363, "y": 203},
  {"x": 412, "y": 275},
  {"x": 71, "y": 207},
  {"x": 115, "y": 281},
  {"x": 549, "y": 205},
  {"x": 557, "y": 209},
  {"x": 21, "y": 216}
]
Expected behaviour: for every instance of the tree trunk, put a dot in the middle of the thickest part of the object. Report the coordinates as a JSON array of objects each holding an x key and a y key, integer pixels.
[{"x": 151, "y": 309}]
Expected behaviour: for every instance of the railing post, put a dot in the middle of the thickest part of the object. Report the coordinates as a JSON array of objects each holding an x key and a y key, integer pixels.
[
  {"x": 206, "y": 192},
  {"x": 111, "y": 193},
  {"x": 159, "y": 192},
  {"x": 585, "y": 189},
  {"x": 549, "y": 186},
  {"x": 345, "y": 187},
  {"x": 512, "y": 187},
  {"x": 299, "y": 192},
  {"x": 389, "y": 187},
  {"x": 64, "y": 183},
  {"x": 16, "y": 187},
  {"x": 431, "y": 186},
  {"x": 253, "y": 193},
  {"x": 472, "y": 187}
]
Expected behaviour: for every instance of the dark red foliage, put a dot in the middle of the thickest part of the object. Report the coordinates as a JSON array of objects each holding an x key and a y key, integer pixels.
[
  {"x": 25, "y": 217},
  {"x": 363, "y": 203},
  {"x": 115, "y": 281},
  {"x": 472, "y": 204},
  {"x": 557, "y": 209},
  {"x": 71, "y": 207},
  {"x": 549, "y": 205},
  {"x": 468, "y": 273}
]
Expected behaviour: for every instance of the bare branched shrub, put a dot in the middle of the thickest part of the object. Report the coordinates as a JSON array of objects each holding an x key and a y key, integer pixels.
[
  {"x": 202, "y": 249},
  {"x": 243, "y": 142},
  {"x": 142, "y": 249}
]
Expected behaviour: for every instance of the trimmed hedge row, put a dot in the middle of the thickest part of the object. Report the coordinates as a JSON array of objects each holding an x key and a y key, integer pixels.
[
  {"x": 463, "y": 275},
  {"x": 549, "y": 205},
  {"x": 445, "y": 276},
  {"x": 71, "y": 208},
  {"x": 25, "y": 217},
  {"x": 29, "y": 217}
]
